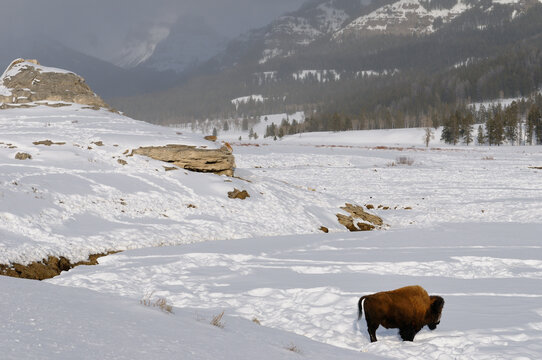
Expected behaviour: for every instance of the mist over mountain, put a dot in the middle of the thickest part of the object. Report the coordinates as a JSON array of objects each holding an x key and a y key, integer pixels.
[
  {"x": 128, "y": 47},
  {"x": 107, "y": 79},
  {"x": 190, "y": 42},
  {"x": 386, "y": 59}
]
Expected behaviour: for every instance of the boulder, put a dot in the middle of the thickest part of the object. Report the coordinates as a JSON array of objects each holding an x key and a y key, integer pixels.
[
  {"x": 238, "y": 194},
  {"x": 218, "y": 161},
  {"x": 23, "y": 156},
  {"x": 359, "y": 219},
  {"x": 26, "y": 82}
]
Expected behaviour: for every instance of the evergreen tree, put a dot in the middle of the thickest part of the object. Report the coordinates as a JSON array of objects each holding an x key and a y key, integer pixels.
[
  {"x": 335, "y": 122},
  {"x": 466, "y": 128},
  {"x": 450, "y": 131},
  {"x": 215, "y": 132},
  {"x": 530, "y": 128},
  {"x": 244, "y": 124},
  {"x": 495, "y": 131},
  {"x": 226, "y": 126},
  {"x": 270, "y": 130},
  {"x": 511, "y": 119}
]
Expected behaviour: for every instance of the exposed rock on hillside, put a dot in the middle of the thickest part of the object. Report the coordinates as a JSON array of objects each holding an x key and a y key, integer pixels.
[
  {"x": 237, "y": 194},
  {"x": 359, "y": 219},
  {"x": 218, "y": 161},
  {"x": 47, "y": 268},
  {"x": 26, "y": 82}
]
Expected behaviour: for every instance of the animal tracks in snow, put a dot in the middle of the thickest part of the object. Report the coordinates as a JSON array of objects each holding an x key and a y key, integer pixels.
[{"x": 310, "y": 285}]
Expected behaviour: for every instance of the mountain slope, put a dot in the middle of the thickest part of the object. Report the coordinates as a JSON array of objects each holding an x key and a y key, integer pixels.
[{"x": 306, "y": 61}]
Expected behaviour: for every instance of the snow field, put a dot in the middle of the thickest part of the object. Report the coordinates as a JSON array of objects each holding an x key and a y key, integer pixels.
[
  {"x": 489, "y": 276},
  {"x": 463, "y": 222},
  {"x": 44, "y": 321}
]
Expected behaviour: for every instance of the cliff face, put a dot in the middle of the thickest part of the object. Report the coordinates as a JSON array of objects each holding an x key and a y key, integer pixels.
[{"x": 27, "y": 83}]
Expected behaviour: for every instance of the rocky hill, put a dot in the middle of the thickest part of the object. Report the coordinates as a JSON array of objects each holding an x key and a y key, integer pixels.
[{"x": 27, "y": 83}]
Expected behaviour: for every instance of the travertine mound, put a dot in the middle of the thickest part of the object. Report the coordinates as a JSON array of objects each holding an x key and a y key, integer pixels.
[
  {"x": 218, "y": 161},
  {"x": 26, "y": 82}
]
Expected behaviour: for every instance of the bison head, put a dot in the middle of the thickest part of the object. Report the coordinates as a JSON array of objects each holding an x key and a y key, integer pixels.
[{"x": 435, "y": 311}]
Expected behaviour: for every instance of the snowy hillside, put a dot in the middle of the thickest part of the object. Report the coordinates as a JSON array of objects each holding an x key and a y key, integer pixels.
[
  {"x": 463, "y": 222},
  {"x": 403, "y": 17}
]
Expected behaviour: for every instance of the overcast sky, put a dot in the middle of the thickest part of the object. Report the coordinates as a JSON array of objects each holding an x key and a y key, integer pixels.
[{"x": 102, "y": 27}]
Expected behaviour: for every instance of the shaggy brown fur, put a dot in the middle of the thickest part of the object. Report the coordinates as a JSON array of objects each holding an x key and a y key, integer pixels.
[{"x": 409, "y": 309}]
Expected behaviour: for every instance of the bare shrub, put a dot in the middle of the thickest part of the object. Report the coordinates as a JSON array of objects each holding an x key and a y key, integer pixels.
[
  {"x": 217, "y": 320},
  {"x": 405, "y": 160},
  {"x": 160, "y": 303},
  {"x": 256, "y": 321}
]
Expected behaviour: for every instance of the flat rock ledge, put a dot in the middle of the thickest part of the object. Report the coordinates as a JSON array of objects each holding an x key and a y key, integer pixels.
[
  {"x": 359, "y": 219},
  {"x": 218, "y": 161}
]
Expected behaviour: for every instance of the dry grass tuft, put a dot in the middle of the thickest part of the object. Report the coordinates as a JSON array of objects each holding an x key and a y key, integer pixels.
[
  {"x": 488, "y": 158},
  {"x": 217, "y": 320},
  {"x": 160, "y": 303},
  {"x": 405, "y": 160},
  {"x": 256, "y": 321},
  {"x": 293, "y": 348}
]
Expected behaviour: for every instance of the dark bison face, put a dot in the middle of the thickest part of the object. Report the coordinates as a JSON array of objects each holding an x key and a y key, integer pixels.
[{"x": 435, "y": 311}]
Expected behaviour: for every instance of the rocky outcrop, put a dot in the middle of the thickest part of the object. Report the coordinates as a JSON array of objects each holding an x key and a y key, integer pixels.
[
  {"x": 46, "y": 268},
  {"x": 238, "y": 194},
  {"x": 218, "y": 161},
  {"x": 359, "y": 219},
  {"x": 26, "y": 82}
]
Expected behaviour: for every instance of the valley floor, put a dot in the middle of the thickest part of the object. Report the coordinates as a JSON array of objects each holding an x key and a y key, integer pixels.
[{"x": 463, "y": 222}]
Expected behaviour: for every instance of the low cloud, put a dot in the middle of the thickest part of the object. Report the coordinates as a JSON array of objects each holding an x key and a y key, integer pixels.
[{"x": 104, "y": 27}]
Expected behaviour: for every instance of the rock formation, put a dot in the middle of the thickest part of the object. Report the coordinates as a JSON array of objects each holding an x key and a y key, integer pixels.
[
  {"x": 26, "y": 82},
  {"x": 359, "y": 219},
  {"x": 237, "y": 194},
  {"x": 218, "y": 161}
]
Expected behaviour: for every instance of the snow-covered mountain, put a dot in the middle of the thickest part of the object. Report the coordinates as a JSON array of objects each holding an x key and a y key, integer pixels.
[
  {"x": 324, "y": 22},
  {"x": 292, "y": 32},
  {"x": 313, "y": 21},
  {"x": 406, "y": 17}
]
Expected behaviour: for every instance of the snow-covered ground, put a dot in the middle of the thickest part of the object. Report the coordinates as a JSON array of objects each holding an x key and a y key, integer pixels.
[{"x": 464, "y": 222}]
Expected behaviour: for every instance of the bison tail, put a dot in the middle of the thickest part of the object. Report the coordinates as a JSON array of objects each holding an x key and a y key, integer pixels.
[{"x": 360, "y": 307}]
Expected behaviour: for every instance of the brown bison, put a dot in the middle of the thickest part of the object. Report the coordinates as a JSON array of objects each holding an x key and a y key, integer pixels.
[{"x": 408, "y": 308}]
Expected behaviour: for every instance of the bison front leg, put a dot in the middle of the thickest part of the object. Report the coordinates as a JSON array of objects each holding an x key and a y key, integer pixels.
[{"x": 407, "y": 334}]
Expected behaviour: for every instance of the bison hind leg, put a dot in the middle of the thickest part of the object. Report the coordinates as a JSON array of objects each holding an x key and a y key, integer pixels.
[
  {"x": 371, "y": 327},
  {"x": 407, "y": 334},
  {"x": 372, "y": 332}
]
